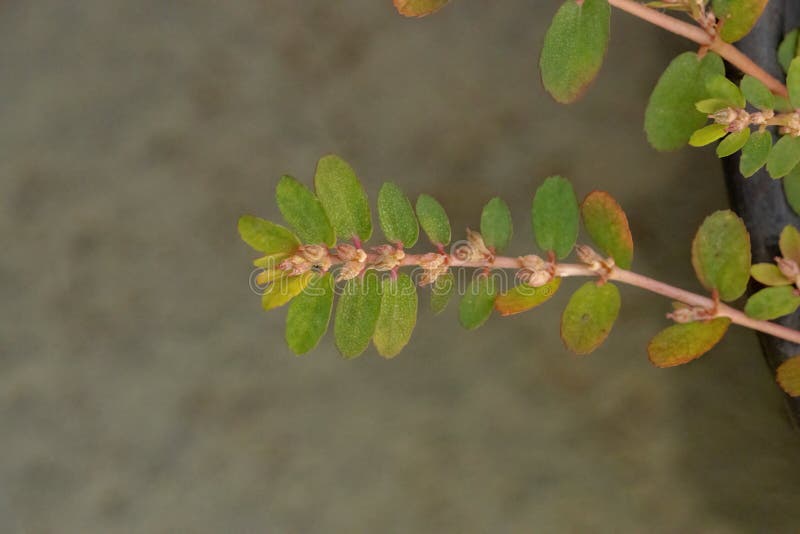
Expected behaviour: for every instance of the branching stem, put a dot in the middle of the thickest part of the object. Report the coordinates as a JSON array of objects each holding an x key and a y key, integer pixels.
[{"x": 697, "y": 34}]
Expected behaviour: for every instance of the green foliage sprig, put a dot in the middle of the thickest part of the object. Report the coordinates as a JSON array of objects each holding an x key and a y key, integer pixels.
[{"x": 324, "y": 256}]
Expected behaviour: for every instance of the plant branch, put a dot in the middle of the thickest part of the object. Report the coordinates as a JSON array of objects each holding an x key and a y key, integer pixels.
[{"x": 697, "y": 34}]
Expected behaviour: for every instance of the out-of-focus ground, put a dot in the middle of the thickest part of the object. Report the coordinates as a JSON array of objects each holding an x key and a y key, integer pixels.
[{"x": 143, "y": 390}]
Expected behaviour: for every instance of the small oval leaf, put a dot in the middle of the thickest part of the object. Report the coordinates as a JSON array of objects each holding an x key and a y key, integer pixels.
[
  {"x": 343, "y": 198},
  {"x": 418, "y": 8},
  {"x": 682, "y": 343},
  {"x": 523, "y": 297},
  {"x": 357, "y": 314},
  {"x": 719, "y": 86},
  {"x": 787, "y": 50},
  {"x": 737, "y": 17},
  {"x": 721, "y": 254},
  {"x": 441, "y": 291},
  {"x": 793, "y": 82},
  {"x": 496, "y": 225},
  {"x": 607, "y": 224},
  {"x": 303, "y": 211},
  {"x": 433, "y": 219},
  {"x": 396, "y": 215},
  {"x": 755, "y": 153},
  {"x": 589, "y": 317},
  {"x": 309, "y": 314},
  {"x": 707, "y": 135},
  {"x": 784, "y": 156},
  {"x": 789, "y": 243},
  {"x": 769, "y": 274},
  {"x": 791, "y": 188},
  {"x": 772, "y": 302},
  {"x": 756, "y": 93},
  {"x": 477, "y": 304},
  {"x": 266, "y": 236},
  {"x": 397, "y": 317},
  {"x": 788, "y": 376},
  {"x": 711, "y": 105},
  {"x": 574, "y": 48},
  {"x": 733, "y": 143},
  {"x": 671, "y": 116},
  {"x": 283, "y": 290},
  {"x": 555, "y": 216}
]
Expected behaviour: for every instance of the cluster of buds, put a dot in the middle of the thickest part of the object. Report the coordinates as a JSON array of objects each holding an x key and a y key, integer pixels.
[
  {"x": 535, "y": 272},
  {"x": 789, "y": 269},
  {"x": 435, "y": 265},
  {"x": 306, "y": 258},
  {"x": 387, "y": 258},
  {"x": 736, "y": 120},
  {"x": 474, "y": 249},
  {"x": 595, "y": 262},
  {"x": 690, "y": 314},
  {"x": 791, "y": 126},
  {"x": 355, "y": 259}
]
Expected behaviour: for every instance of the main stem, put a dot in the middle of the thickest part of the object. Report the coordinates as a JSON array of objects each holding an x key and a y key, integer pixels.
[
  {"x": 695, "y": 33},
  {"x": 631, "y": 278}
]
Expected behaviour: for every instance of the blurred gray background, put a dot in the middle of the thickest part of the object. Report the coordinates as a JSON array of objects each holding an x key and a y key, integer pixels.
[{"x": 142, "y": 389}]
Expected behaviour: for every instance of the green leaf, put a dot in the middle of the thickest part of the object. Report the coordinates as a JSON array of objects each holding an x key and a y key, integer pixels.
[
  {"x": 682, "y": 343},
  {"x": 574, "y": 47},
  {"x": 788, "y": 49},
  {"x": 784, "y": 157},
  {"x": 441, "y": 291},
  {"x": 607, "y": 224},
  {"x": 707, "y": 135},
  {"x": 789, "y": 243},
  {"x": 396, "y": 215},
  {"x": 721, "y": 254},
  {"x": 788, "y": 376},
  {"x": 523, "y": 297},
  {"x": 772, "y": 302},
  {"x": 782, "y": 104},
  {"x": 671, "y": 116},
  {"x": 433, "y": 220},
  {"x": 418, "y": 8},
  {"x": 756, "y": 93},
  {"x": 397, "y": 317},
  {"x": 755, "y": 153},
  {"x": 718, "y": 86},
  {"x": 769, "y": 274},
  {"x": 589, "y": 317},
  {"x": 343, "y": 198},
  {"x": 737, "y": 17},
  {"x": 283, "y": 290},
  {"x": 793, "y": 82},
  {"x": 309, "y": 314},
  {"x": 733, "y": 143},
  {"x": 266, "y": 236},
  {"x": 791, "y": 187},
  {"x": 476, "y": 306},
  {"x": 304, "y": 212},
  {"x": 711, "y": 105},
  {"x": 555, "y": 216},
  {"x": 496, "y": 226},
  {"x": 357, "y": 314}
]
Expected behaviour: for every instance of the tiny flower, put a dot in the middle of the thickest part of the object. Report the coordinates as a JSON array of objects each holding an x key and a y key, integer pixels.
[
  {"x": 535, "y": 271},
  {"x": 388, "y": 257},
  {"x": 788, "y": 268},
  {"x": 435, "y": 265}
]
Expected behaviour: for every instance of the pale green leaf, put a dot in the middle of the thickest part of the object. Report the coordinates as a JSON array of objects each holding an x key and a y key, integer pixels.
[
  {"x": 784, "y": 156},
  {"x": 309, "y": 314},
  {"x": 711, "y": 105},
  {"x": 555, "y": 216},
  {"x": 283, "y": 290},
  {"x": 671, "y": 116},
  {"x": 721, "y": 254},
  {"x": 733, "y": 143},
  {"x": 718, "y": 86},
  {"x": 574, "y": 47},
  {"x": 496, "y": 225},
  {"x": 589, "y": 316},
  {"x": 755, "y": 153},
  {"x": 772, "y": 302},
  {"x": 396, "y": 215},
  {"x": 343, "y": 198},
  {"x": 756, "y": 93},
  {"x": 304, "y": 212},
  {"x": 769, "y": 274},
  {"x": 433, "y": 220},
  {"x": 707, "y": 135},
  {"x": 266, "y": 236},
  {"x": 397, "y": 317}
]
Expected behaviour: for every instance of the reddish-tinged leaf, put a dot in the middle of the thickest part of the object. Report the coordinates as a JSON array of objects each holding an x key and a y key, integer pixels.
[
  {"x": 524, "y": 297},
  {"x": 607, "y": 224},
  {"x": 788, "y": 376},
  {"x": 418, "y": 8},
  {"x": 721, "y": 254},
  {"x": 682, "y": 343}
]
